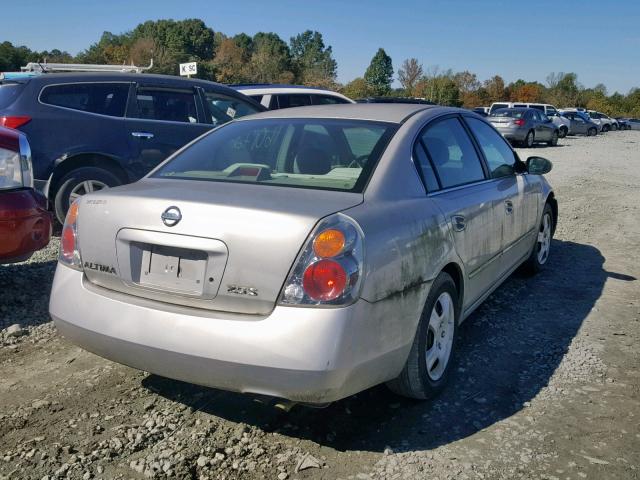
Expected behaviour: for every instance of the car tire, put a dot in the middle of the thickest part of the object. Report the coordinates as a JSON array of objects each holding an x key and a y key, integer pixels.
[
  {"x": 606, "y": 128},
  {"x": 592, "y": 132},
  {"x": 436, "y": 333},
  {"x": 529, "y": 139},
  {"x": 79, "y": 182},
  {"x": 554, "y": 140},
  {"x": 564, "y": 131},
  {"x": 541, "y": 249},
  {"x": 614, "y": 127}
]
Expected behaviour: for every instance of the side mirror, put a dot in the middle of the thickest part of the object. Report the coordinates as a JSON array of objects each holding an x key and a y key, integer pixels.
[{"x": 538, "y": 165}]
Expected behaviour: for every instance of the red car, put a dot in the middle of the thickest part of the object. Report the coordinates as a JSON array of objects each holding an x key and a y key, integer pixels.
[{"x": 25, "y": 223}]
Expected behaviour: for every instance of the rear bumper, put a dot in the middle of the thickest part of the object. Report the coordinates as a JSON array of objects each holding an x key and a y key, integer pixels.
[
  {"x": 514, "y": 134},
  {"x": 303, "y": 354},
  {"x": 25, "y": 224}
]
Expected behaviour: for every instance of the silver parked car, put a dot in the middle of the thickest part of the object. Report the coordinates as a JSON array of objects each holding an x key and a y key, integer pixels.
[
  {"x": 525, "y": 126},
  {"x": 581, "y": 123},
  {"x": 306, "y": 253},
  {"x": 634, "y": 123}
]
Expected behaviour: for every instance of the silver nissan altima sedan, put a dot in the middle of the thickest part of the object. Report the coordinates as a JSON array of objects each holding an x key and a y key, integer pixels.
[{"x": 307, "y": 253}]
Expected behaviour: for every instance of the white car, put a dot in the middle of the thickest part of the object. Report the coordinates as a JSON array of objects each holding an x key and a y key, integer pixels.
[
  {"x": 275, "y": 97},
  {"x": 550, "y": 111}
]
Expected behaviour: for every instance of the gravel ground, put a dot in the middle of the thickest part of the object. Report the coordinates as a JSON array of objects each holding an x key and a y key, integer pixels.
[{"x": 547, "y": 382}]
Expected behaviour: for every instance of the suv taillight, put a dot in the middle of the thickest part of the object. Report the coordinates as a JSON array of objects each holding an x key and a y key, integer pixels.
[
  {"x": 329, "y": 269},
  {"x": 69, "y": 248},
  {"x": 16, "y": 170},
  {"x": 14, "y": 121},
  {"x": 519, "y": 122}
]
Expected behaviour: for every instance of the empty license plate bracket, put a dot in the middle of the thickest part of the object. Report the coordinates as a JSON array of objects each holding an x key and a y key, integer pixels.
[{"x": 175, "y": 269}]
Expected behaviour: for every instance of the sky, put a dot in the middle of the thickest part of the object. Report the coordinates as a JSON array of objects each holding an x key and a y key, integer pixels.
[{"x": 600, "y": 41}]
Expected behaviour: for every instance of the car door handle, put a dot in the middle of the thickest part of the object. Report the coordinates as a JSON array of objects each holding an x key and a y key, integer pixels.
[
  {"x": 145, "y": 135},
  {"x": 508, "y": 206},
  {"x": 459, "y": 223}
]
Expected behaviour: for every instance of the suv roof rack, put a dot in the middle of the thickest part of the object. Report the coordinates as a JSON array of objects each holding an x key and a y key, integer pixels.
[{"x": 45, "y": 67}]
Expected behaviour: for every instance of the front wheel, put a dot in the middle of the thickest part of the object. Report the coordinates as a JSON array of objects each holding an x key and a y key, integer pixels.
[
  {"x": 540, "y": 253},
  {"x": 80, "y": 182},
  {"x": 564, "y": 131},
  {"x": 554, "y": 140},
  {"x": 428, "y": 366},
  {"x": 592, "y": 132}
]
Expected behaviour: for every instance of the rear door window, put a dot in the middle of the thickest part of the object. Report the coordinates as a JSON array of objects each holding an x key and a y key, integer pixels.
[
  {"x": 327, "y": 100},
  {"x": 425, "y": 169},
  {"x": 293, "y": 100},
  {"x": 452, "y": 154},
  {"x": 223, "y": 108},
  {"x": 109, "y": 98},
  {"x": 165, "y": 104},
  {"x": 499, "y": 156}
]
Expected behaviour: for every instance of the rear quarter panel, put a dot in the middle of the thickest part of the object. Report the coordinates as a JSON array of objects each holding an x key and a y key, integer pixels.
[{"x": 407, "y": 240}]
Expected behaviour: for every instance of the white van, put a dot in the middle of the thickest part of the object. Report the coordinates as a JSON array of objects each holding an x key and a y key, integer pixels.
[{"x": 549, "y": 110}]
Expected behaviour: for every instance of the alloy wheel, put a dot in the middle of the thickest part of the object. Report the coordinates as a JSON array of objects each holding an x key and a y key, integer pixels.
[
  {"x": 440, "y": 336},
  {"x": 85, "y": 187},
  {"x": 544, "y": 240}
]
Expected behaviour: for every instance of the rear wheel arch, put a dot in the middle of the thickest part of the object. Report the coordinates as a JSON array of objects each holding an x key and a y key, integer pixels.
[
  {"x": 551, "y": 200},
  {"x": 455, "y": 272},
  {"x": 75, "y": 162}
]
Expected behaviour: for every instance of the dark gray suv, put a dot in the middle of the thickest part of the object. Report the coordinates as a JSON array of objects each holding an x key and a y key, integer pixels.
[{"x": 90, "y": 131}]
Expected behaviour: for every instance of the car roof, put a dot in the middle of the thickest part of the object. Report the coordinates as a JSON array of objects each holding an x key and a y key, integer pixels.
[
  {"x": 253, "y": 86},
  {"x": 420, "y": 101},
  {"x": 120, "y": 76},
  {"x": 377, "y": 112}
]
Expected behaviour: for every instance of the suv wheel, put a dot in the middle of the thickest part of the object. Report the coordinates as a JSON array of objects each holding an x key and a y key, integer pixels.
[
  {"x": 592, "y": 131},
  {"x": 430, "y": 360},
  {"x": 564, "y": 131},
  {"x": 554, "y": 140},
  {"x": 80, "y": 182}
]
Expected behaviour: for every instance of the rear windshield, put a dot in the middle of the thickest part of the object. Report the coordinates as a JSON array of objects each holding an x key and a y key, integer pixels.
[
  {"x": 322, "y": 154},
  {"x": 496, "y": 106},
  {"x": 9, "y": 92},
  {"x": 508, "y": 112}
]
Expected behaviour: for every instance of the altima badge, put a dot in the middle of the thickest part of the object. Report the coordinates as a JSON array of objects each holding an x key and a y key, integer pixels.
[{"x": 171, "y": 216}]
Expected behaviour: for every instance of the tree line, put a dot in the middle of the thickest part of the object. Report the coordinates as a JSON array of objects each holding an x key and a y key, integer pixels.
[{"x": 306, "y": 60}]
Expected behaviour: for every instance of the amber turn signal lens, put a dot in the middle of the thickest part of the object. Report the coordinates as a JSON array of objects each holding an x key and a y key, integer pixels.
[
  {"x": 72, "y": 214},
  {"x": 329, "y": 243}
]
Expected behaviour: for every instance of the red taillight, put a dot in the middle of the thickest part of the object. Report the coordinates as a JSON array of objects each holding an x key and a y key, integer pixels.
[
  {"x": 519, "y": 122},
  {"x": 324, "y": 280},
  {"x": 69, "y": 252},
  {"x": 68, "y": 243},
  {"x": 14, "y": 121}
]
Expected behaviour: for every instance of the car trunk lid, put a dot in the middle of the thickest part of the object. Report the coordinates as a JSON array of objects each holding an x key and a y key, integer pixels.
[{"x": 230, "y": 249}]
